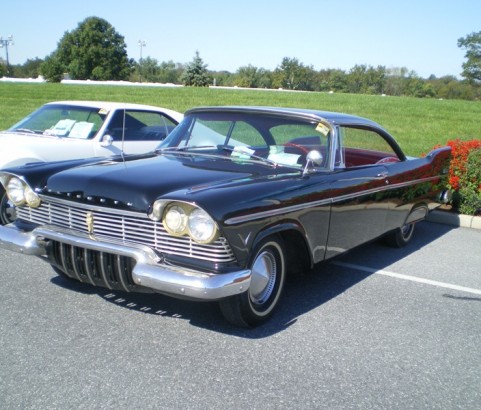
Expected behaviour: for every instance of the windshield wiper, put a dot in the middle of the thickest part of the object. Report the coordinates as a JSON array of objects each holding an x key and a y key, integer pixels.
[
  {"x": 25, "y": 130},
  {"x": 252, "y": 156},
  {"x": 242, "y": 154},
  {"x": 185, "y": 148}
]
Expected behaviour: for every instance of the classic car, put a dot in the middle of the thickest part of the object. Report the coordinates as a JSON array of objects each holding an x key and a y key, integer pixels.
[
  {"x": 233, "y": 200},
  {"x": 81, "y": 129}
]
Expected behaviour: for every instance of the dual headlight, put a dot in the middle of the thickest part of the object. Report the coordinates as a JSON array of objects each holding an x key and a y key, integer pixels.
[
  {"x": 181, "y": 219},
  {"x": 20, "y": 193}
]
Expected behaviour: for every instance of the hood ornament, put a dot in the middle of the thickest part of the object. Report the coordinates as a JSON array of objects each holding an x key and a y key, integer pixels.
[{"x": 89, "y": 219}]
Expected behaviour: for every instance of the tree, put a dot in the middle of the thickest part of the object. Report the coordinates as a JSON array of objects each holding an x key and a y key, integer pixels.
[
  {"x": 30, "y": 69},
  {"x": 93, "y": 51},
  {"x": 52, "y": 69},
  {"x": 170, "y": 72},
  {"x": 472, "y": 67},
  {"x": 3, "y": 68},
  {"x": 252, "y": 77},
  {"x": 195, "y": 73},
  {"x": 364, "y": 79},
  {"x": 294, "y": 75},
  {"x": 149, "y": 69},
  {"x": 332, "y": 80}
]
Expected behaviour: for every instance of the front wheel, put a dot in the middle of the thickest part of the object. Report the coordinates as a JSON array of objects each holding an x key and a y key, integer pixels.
[
  {"x": 7, "y": 209},
  {"x": 401, "y": 236},
  {"x": 268, "y": 269}
]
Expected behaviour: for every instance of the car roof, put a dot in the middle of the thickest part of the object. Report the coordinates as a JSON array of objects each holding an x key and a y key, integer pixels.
[
  {"x": 109, "y": 105},
  {"x": 331, "y": 116}
]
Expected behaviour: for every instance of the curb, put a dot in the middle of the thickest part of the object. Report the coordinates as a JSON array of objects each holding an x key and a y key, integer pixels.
[{"x": 457, "y": 220}]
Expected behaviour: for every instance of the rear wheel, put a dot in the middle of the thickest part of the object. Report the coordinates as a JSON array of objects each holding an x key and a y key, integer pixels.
[
  {"x": 401, "y": 236},
  {"x": 7, "y": 208},
  {"x": 268, "y": 269}
]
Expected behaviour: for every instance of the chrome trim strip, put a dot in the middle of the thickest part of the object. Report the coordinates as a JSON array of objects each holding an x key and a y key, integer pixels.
[
  {"x": 294, "y": 208},
  {"x": 118, "y": 261},
  {"x": 91, "y": 207},
  {"x": 88, "y": 271},
  {"x": 275, "y": 212},
  {"x": 148, "y": 271}
]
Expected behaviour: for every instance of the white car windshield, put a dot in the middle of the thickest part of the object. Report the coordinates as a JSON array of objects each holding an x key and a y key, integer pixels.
[{"x": 62, "y": 121}]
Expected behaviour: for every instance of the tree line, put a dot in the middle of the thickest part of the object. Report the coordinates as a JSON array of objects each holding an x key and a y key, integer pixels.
[{"x": 96, "y": 51}]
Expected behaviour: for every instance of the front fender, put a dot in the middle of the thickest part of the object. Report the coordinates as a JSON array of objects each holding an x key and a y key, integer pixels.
[
  {"x": 278, "y": 229},
  {"x": 244, "y": 241}
]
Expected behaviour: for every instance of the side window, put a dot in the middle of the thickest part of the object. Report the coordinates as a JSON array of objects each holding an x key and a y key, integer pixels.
[
  {"x": 363, "y": 147},
  {"x": 140, "y": 126}
]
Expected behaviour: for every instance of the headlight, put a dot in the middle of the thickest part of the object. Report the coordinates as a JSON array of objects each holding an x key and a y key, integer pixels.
[
  {"x": 16, "y": 191},
  {"x": 202, "y": 227},
  {"x": 31, "y": 198},
  {"x": 180, "y": 218},
  {"x": 175, "y": 220}
]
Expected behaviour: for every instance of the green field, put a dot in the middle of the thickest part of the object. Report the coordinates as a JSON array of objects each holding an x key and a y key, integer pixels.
[{"x": 417, "y": 124}]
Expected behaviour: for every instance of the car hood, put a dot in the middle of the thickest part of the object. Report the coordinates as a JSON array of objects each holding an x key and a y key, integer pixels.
[
  {"x": 19, "y": 148},
  {"x": 135, "y": 183}
]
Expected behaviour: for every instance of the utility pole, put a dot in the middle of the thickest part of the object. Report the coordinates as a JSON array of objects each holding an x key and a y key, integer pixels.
[
  {"x": 141, "y": 44},
  {"x": 5, "y": 43}
]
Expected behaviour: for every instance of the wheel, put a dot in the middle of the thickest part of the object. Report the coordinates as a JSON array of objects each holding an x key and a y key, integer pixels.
[
  {"x": 268, "y": 269},
  {"x": 7, "y": 209},
  {"x": 401, "y": 236}
]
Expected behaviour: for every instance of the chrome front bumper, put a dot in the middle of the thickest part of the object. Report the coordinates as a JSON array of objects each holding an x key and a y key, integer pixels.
[{"x": 149, "y": 271}]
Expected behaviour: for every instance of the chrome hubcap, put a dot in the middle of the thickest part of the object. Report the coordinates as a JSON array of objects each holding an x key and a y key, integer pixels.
[
  {"x": 406, "y": 231},
  {"x": 264, "y": 272}
]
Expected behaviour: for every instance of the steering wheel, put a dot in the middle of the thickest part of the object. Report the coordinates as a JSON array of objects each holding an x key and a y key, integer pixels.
[
  {"x": 301, "y": 148},
  {"x": 387, "y": 160}
]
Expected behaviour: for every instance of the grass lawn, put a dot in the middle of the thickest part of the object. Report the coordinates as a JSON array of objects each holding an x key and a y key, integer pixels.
[{"x": 417, "y": 124}]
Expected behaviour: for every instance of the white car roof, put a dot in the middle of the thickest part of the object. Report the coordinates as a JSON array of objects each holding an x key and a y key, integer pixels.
[{"x": 109, "y": 105}]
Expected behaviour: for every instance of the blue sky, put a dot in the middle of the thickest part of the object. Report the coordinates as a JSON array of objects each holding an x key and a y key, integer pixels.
[{"x": 418, "y": 34}]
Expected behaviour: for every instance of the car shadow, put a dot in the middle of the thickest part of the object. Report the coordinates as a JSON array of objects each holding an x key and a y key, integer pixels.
[{"x": 303, "y": 293}]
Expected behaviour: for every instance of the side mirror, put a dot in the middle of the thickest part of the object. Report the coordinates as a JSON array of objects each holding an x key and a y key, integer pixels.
[
  {"x": 313, "y": 159},
  {"x": 106, "y": 140}
]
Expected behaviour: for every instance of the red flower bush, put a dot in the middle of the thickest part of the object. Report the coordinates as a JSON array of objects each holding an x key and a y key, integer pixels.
[
  {"x": 465, "y": 175},
  {"x": 459, "y": 156}
]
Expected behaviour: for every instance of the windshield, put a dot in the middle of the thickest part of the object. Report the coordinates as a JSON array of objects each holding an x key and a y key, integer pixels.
[
  {"x": 279, "y": 139},
  {"x": 63, "y": 121}
]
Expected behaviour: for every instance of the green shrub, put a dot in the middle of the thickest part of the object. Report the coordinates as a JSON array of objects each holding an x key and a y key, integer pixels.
[{"x": 469, "y": 193}]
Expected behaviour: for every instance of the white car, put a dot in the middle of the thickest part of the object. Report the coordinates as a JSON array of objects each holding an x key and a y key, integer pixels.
[{"x": 81, "y": 129}]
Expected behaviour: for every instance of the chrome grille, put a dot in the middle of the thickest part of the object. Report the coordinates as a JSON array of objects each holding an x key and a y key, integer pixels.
[
  {"x": 97, "y": 268},
  {"x": 127, "y": 227}
]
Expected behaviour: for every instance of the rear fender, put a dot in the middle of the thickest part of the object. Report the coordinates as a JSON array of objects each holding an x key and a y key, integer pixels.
[{"x": 418, "y": 213}]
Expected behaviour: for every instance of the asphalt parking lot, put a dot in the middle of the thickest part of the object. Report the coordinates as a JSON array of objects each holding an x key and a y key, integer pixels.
[{"x": 378, "y": 328}]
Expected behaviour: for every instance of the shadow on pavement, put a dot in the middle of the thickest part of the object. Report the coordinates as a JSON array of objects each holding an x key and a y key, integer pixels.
[{"x": 302, "y": 293}]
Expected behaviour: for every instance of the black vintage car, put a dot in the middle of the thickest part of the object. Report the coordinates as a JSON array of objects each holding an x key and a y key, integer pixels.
[{"x": 229, "y": 203}]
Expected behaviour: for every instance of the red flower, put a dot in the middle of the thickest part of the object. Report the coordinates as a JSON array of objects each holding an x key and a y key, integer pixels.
[{"x": 459, "y": 155}]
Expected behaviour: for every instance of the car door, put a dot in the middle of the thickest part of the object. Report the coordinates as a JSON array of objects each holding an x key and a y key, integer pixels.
[{"x": 360, "y": 188}]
